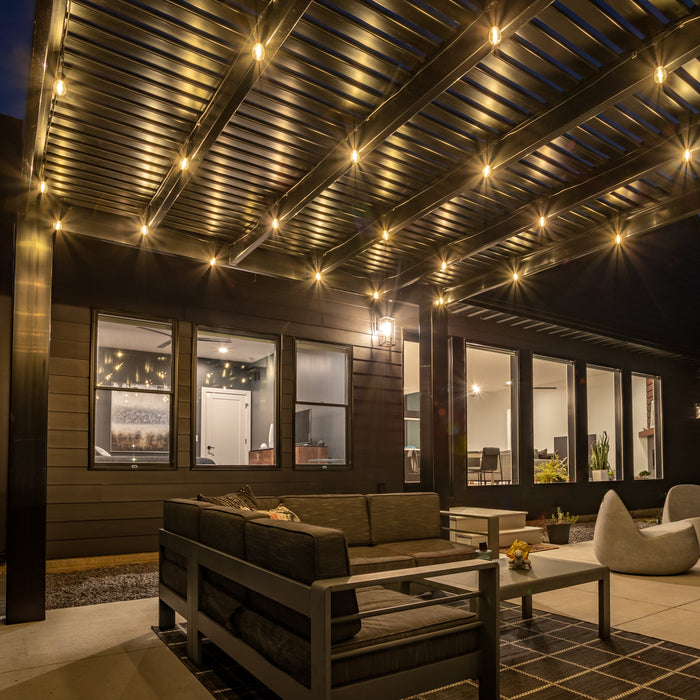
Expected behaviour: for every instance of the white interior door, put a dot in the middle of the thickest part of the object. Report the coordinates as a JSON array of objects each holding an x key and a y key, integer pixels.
[{"x": 225, "y": 425}]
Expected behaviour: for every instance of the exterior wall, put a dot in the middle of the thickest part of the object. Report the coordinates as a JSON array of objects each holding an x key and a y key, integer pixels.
[{"x": 93, "y": 512}]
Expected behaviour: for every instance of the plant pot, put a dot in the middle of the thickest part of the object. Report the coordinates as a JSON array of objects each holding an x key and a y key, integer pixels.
[
  {"x": 558, "y": 533},
  {"x": 600, "y": 474}
]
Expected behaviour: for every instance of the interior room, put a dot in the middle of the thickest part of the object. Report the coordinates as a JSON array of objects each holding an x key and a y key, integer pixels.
[{"x": 317, "y": 248}]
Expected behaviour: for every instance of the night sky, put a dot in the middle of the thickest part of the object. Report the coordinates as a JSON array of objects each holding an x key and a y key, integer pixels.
[{"x": 16, "y": 18}]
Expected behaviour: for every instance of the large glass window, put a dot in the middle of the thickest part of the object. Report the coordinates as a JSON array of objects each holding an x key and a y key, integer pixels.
[
  {"x": 411, "y": 412},
  {"x": 321, "y": 422},
  {"x": 553, "y": 420},
  {"x": 491, "y": 423},
  {"x": 604, "y": 418},
  {"x": 132, "y": 413},
  {"x": 236, "y": 400},
  {"x": 646, "y": 426}
]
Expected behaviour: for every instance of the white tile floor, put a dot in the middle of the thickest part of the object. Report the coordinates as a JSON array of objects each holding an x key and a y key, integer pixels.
[{"x": 108, "y": 652}]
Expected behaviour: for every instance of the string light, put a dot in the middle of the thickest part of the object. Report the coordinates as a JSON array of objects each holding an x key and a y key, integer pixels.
[
  {"x": 618, "y": 239},
  {"x": 354, "y": 156},
  {"x": 212, "y": 262},
  {"x": 687, "y": 155},
  {"x": 275, "y": 223},
  {"x": 495, "y": 36},
  {"x": 43, "y": 187},
  {"x": 57, "y": 225},
  {"x": 515, "y": 276},
  {"x": 441, "y": 301},
  {"x": 258, "y": 51},
  {"x": 144, "y": 230},
  {"x": 318, "y": 276},
  {"x": 543, "y": 221},
  {"x": 184, "y": 164},
  {"x": 660, "y": 74},
  {"x": 375, "y": 296},
  {"x": 59, "y": 87},
  {"x": 385, "y": 235},
  {"x": 443, "y": 267},
  {"x": 486, "y": 171}
]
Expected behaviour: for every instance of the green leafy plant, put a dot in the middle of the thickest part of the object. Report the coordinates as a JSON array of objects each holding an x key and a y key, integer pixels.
[
  {"x": 560, "y": 517},
  {"x": 600, "y": 450},
  {"x": 554, "y": 469}
]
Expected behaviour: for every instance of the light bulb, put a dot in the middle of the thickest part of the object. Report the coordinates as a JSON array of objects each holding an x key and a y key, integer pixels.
[
  {"x": 144, "y": 230},
  {"x": 543, "y": 221},
  {"x": 486, "y": 171},
  {"x": 258, "y": 51},
  {"x": 660, "y": 74},
  {"x": 515, "y": 276},
  {"x": 385, "y": 235},
  {"x": 57, "y": 225},
  {"x": 212, "y": 262},
  {"x": 318, "y": 276},
  {"x": 687, "y": 155},
  {"x": 476, "y": 389},
  {"x": 59, "y": 87},
  {"x": 443, "y": 267},
  {"x": 184, "y": 163},
  {"x": 354, "y": 156},
  {"x": 618, "y": 239},
  {"x": 43, "y": 187},
  {"x": 375, "y": 295},
  {"x": 275, "y": 223},
  {"x": 441, "y": 301},
  {"x": 495, "y": 36}
]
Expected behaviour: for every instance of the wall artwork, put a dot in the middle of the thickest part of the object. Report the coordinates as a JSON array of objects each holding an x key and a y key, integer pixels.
[{"x": 140, "y": 422}]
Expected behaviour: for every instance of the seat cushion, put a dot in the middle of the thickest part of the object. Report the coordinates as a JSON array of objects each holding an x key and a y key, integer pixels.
[
  {"x": 368, "y": 560},
  {"x": 342, "y": 512},
  {"x": 291, "y": 652},
  {"x": 304, "y": 553},
  {"x": 403, "y": 516},
  {"x": 432, "y": 551}
]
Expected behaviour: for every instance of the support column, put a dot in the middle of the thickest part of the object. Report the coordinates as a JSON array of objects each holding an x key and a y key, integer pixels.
[
  {"x": 26, "y": 521},
  {"x": 434, "y": 401},
  {"x": 581, "y": 400}
]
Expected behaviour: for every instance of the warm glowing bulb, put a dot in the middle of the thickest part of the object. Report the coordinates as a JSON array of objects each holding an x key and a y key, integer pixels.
[
  {"x": 144, "y": 230},
  {"x": 212, "y": 262},
  {"x": 275, "y": 224},
  {"x": 441, "y": 301},
  {"x": 354, "y": 156},
  {"x": 687, "y": 155},
  {"x": 443, "y": 267},
  {"x": 543, "y": 221},
  {"x": 57, "y": 225},
  {"x": 495, "y": 36},
  {"x": 660, "y": 74},
  {"x": 515, "y": 276},
  {"x": 183, "y": 164},
  {"x": 258, "y": 52},
  {"x": 318, "y": 276},
  {"x": 618, "y": 239},
  {"x": 486, "y": 171},
  {"x": 385, "y": 235},
  {"x": 43, "y": 186},
  {"x": 223, "y": 349},
  {"x": 476, "y": 389},
  {"x": 376, "y": 295},
  {"x": 59, "y": 87}
]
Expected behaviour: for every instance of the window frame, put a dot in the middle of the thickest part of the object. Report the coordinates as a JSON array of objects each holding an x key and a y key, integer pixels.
[
  {"x": 196, "y": 328},
  {"x": 409, "y": 415},
  {"x": 171, "y": 464},
  {"x": 657, "y": 417},
  {"x": 618, "y": 417},
  {"x": 347, "y": 350}
]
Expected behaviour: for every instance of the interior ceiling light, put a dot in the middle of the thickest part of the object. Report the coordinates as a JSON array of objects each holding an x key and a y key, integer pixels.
[
  {"x": 660, "y": 74},
  {"x": 354, "y": 156},
  {"x": 59, "y": 87},
  {"x": 258, "y": 51},
  {"x": 495, "y": 36},
  {"x": 486, "y": 171},
  {"x": 184, "y": 163}
]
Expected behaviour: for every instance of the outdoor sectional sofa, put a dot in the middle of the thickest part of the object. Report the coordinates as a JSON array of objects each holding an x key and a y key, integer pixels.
[{"x": 285, "y": 601}]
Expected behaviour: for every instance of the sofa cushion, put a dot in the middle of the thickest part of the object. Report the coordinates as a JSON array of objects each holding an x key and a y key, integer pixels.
[
  {"x": 368, "y": 560},
  {"x": 280, "y": 512},
  {"x": 431, "y": 551},
  {"x": 291, "y": 652},
  {"x": 304, "y": 553},
  {"x": 343, "y": 512},
  {"x": 243, "y": 498},
  {"x": 395, "y": 517},
  {"x": 181, "y": 516}
]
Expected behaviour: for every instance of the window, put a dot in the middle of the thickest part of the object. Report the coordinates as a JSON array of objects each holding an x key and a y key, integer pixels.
[
  {"x": 646, "y": 426},
  {"x": 604, "y": 410},
  {"x": 553, "y": 420},
  {"x": 132, "y": 411},
  {"x": 411, "y": 412},
  {"x": 321, "y": 423},
  {"x": 491, "y": 424},
  {"x": 236, "y": 400}
]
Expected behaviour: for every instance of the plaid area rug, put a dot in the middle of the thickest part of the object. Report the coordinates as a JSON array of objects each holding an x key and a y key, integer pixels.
[{"x": 549, "y": 657}]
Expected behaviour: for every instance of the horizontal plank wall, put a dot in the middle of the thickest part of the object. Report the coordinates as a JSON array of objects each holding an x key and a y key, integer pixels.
[{"x": 96, "y": 512}]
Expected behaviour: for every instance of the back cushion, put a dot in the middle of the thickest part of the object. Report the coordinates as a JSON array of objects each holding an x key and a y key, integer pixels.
[
  {"x": 347, "y": 513},
  {"x": 181, "y": 516},
  {"x": 304, "y": 553},
  {"x": 395, "y": 517}
]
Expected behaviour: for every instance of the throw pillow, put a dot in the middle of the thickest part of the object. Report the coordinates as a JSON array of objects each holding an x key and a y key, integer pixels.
[
  {"x": 282, "y": 513},
  {"x": 243, "y": 498}
]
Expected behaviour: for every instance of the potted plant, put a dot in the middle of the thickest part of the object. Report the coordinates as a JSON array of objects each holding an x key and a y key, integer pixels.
[
  {"x": 598, "y": 463},
  {"x": 558, "y": 529},
  {"x": 644, "y": 474},
  {"x": 553, "y": 470}
]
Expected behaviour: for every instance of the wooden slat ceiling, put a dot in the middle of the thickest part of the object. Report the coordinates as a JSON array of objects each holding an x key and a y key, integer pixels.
[{"x": 565, "y": 110}]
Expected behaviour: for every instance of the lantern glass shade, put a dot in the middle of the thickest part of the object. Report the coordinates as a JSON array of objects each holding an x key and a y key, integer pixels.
[{"x": 385, "y": 329}]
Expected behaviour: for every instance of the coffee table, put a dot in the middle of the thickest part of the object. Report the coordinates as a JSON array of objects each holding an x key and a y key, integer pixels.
[{"x": 545, "y": 575}]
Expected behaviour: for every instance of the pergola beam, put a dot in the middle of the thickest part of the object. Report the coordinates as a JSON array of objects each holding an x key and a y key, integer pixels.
[
  {"x": 464, "y": 52},
  {"x": 276, "y": 23}
]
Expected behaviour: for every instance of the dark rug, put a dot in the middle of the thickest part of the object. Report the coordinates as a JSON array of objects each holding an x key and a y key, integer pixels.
[{"x": 549, "y": 657}]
